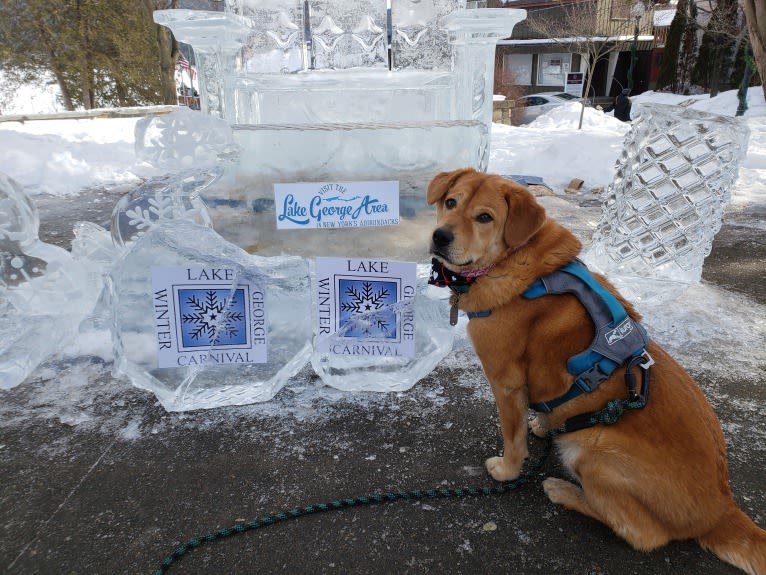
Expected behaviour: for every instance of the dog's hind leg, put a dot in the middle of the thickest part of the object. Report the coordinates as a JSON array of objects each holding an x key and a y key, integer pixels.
[{"x": 624, "y": 515}]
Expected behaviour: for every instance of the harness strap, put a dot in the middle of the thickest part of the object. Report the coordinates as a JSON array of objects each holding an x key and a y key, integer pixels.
[
  {"x": 473, "y": 314},
  {"x": 618, "y": 337},
  {"x": 613, "y": 410}
]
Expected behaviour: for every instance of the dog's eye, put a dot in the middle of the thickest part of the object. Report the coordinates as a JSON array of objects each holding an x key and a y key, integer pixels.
[
  {"x": 484, "y": 218},
  {"x": 450, "y": 203}
]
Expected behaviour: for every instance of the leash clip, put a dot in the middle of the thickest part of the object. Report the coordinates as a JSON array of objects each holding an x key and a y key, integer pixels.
[
  {"x": 649, "y": 360},
  {"x": 630, "y": 380}
]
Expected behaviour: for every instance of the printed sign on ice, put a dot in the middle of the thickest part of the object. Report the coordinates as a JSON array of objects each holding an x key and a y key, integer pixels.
[
  {"x": 332, "y": 205},
  {"x": 366, "y": 307},
  {"x": 207, "y": 316}
]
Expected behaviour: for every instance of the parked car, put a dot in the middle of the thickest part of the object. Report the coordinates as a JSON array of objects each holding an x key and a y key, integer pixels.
[{"x": 527, "y": 108}]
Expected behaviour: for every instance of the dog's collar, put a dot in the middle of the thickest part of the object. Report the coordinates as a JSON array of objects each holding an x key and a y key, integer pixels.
[
  {"x": 473, "y": 314},
  {"x": 459, "y": 283},
  {"x": 442, "y": 276}
]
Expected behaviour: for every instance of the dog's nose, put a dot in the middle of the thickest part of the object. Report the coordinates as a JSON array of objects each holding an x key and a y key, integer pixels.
[{"x": 442, "y": 237}]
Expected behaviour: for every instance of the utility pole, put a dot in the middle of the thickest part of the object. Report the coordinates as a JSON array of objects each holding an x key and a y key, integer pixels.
[
  {"x": 637, "y": 11},
  {"x": 742, "y": 92}
]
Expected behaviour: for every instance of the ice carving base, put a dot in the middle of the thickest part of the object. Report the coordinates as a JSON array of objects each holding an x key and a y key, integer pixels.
[
  {"x": 434, "y": 337},
  {"x": 206, "y": 384}
]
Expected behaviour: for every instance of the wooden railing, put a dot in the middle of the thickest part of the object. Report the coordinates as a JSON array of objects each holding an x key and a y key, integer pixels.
[{"x": 132, "y": 112}]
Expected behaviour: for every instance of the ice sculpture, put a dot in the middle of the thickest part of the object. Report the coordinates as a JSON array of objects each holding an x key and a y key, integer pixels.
[
  {"x": 176, "y": 196},
  {"x": 338, "y": 91},
  {"x": 407, "y": 241},
  {"x": 433, "y": 341},
  {"x": 666, "y": 203},
  {"x": 184, "y": 139},
  {"x": 348, "y": 89},
  {"x": 94, "y": 250},
  {"x": 44, "y": 292},
  {"x": 241, "y": 322}
]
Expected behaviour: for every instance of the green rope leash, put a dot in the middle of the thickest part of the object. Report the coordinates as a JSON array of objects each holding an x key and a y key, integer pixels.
[
  {"x": 415, "y": 495},
  {"x": 609, "y": 415}
]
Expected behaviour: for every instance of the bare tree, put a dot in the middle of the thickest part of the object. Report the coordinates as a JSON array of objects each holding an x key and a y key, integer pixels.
[
  {"x": 721, "y": 41},
  {"x": 755, "y": 13},
  {"x": 584, "y": 27}
]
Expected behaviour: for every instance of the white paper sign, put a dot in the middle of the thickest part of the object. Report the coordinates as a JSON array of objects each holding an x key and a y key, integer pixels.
[
  {"x": 203, "y": 317},
  {"x": 574, "y": 84},
  {"x": 334, "y": 205},
  {"x": 366, "y": 307}
]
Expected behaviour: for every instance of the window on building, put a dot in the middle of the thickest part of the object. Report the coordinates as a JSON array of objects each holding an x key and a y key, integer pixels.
[
  {"x": 552, "y": 69},
  {"x": 518, "y": 68}
]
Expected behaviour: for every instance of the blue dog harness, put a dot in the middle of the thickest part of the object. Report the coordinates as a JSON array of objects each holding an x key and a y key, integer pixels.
[{"x": 619, "y": 339}]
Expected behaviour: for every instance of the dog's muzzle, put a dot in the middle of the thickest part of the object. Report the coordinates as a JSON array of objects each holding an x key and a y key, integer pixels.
[
  {"x": 441, "y": 238},
  {"x": 440, "y": 242}
]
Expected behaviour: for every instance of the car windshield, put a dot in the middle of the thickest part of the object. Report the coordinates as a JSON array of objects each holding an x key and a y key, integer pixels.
[{"x": 565, "y": 96}]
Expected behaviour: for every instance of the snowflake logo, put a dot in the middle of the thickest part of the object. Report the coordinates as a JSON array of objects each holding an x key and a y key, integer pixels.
[
  {"x": 148, "y": 211},
  {"x": 367, "y": 308},
  {"x": 206, "y": 319},
  {"x": 160, "y": 207}
]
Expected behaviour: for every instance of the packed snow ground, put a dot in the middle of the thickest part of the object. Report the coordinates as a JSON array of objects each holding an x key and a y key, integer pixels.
[{"x": 69, "y": 157}]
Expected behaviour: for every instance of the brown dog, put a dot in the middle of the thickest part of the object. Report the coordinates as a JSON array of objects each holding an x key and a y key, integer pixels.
[{"x": 658, "y": 473}]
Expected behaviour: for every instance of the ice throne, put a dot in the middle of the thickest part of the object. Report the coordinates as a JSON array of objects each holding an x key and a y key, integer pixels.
[{"x": 333, "y": 90}]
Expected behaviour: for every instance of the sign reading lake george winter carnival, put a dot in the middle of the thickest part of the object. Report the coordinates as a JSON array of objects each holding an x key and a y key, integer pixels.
[
  {"x": 366, "y": 307},
  {"x": 333, "y": 205},
  {"x": 208, "y": 316}
]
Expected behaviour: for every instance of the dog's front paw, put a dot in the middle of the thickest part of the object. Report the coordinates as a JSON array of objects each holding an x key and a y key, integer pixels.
[
  {"x": 537, "y": 427},
  {"x": 501, "y": 470}
]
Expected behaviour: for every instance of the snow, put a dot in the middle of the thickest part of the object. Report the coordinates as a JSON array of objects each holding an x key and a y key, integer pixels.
[
  {"x": 554, "y": 148},
  {"x": 63, "y": 157},
  {"x": 67, "y": 158},
  {"x": 40, "y": 97}
]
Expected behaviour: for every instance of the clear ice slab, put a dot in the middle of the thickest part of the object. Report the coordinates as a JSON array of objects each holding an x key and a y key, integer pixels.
[
  {"x": 207, "y": 384},
  {"x": 407, "y": 241},
  {"x": 666, "y": 202},
  {"x": 44, "y": 292},
  {"x": 183, "y": 140},
  {"x": 434, "y": 337}
]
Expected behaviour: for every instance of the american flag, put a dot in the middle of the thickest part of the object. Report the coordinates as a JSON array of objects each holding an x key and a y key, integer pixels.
[{"x": 184, "y": 63}]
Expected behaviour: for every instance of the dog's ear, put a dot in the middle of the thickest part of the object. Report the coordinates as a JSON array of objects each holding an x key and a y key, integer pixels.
[
  {"x": 442, "y": 182},
  {"x": 525, "y": 215}
]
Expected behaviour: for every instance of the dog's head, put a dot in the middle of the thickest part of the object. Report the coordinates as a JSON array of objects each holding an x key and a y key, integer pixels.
[{"x": 480, "y": 218}]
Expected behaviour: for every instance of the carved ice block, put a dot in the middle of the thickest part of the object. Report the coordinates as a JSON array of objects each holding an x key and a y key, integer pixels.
[
  {"x": 44, "y": 292},
  {"x": 348, "y": 90},
  {"x": 231, "y": 329},
  {"x": 666, "y": 203}
]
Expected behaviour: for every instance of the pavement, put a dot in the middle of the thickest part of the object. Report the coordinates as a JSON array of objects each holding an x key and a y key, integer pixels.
[{"x": 95, "y": 477}]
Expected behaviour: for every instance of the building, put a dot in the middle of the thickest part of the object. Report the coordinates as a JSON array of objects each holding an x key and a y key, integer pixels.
[{"x": 563, "y": 36}]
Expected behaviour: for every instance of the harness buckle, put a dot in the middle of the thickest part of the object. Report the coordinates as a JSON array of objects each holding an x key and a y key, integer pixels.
[{"x": 591, "y": 378}]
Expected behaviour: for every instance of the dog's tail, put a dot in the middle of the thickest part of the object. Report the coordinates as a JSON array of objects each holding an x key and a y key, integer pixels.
[{"x": 739, "y": 541}]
